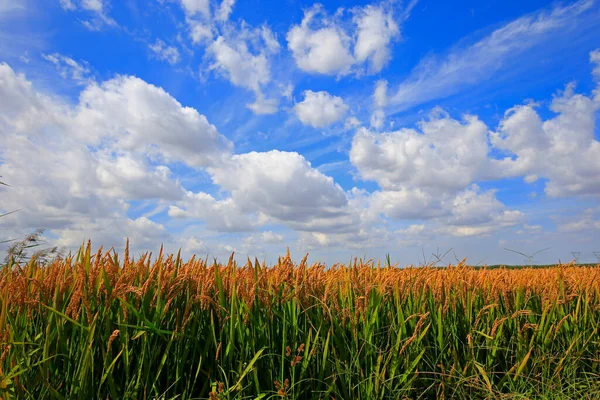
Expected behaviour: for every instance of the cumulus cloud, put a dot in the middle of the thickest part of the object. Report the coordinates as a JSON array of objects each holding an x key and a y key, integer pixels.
[
  {"x": 429, "y": 173},
  {"x": 324, "y": 45},
  {"x": 406, "y": 203},
  {"x": 446, "y": 155},
  {"x": 465, "y": 213},
  {"x": 114, "y": 146},
  {"x": 275, "y": 187},
  {"x": 240, "y": 66},
  {"x": 562, "y": 149},
  {"x": 282, "y": 185},
  {"x": 320, "y": 46},
  {"x": 76, "y": 168},
  {"x": 163, "y": 52},
  {"x": 320, "y": 109},
  {"x": 138, "y": 116}
]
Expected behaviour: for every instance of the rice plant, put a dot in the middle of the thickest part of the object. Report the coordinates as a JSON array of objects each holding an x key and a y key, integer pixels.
[{"x": 98, "y": 326}]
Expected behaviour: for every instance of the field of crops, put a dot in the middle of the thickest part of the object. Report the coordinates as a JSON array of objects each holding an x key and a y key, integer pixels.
[{"x": 99, "y": 325}]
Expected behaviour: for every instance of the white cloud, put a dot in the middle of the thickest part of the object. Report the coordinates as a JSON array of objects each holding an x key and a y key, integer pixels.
[
  {"x": 143, "y": 234},
  {"x": 97, "y": 8},
  {"x": 446, "y": 155},
  {"x": 279, "y": 184},
  {"x": 324, "y": 49},
  {"x": 242, "y": 56},
  {"x": 375, "y": 30},
  {"x": 92, "y": 159},
  {"x": 269, "y": 39},
  {"x": 435, "y": 78},
  {"x": 427, "y": 174},
  {"x": 237, "y": 51},
  {"x": 143, "y": 117},
  {"x": 262, "y": 106},
  {"x": 200, "y": 32},
  {"x": 195, "y": 245},
  {"x": 587, "y": 221},
  {"x": 320, "y": 109},
  {"x": 324, "y": 45},
  {"x": 406, "y": 204},
  {"x": 474, "y": 212},
  {"x": 240, "y": 66},
  {"x": 287, "y": 91},
  {"x": 92, "y": 5},
  {"x": 222, "y": 216},
  {"x": 66, "y": 4},
  {"x": 595, "y": 60},
  {"x": 194, "y": 7},
  {"x": 164, "y": 52},
  {"x": 380, "y": 94},
  {"x": 377, "y": 119},
  {"x": 225, "y": 10},
  {"x": 69, "y": 68},
  {"x": 128, "y": 176},
  {"x": 562, "y": 149},
  {"x": 351, "y": 122},
  {"x": 271, "y": 237},
  {"x": 254, "y": 244}
]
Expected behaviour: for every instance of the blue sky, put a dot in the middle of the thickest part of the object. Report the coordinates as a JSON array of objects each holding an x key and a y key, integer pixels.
[{"x": 336, "y": 128}]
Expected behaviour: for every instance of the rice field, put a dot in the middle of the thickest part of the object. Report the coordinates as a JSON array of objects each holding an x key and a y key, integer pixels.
[{"x": 99, "y": 325}]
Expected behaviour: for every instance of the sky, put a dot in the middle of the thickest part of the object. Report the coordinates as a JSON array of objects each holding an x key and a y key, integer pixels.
[{"x": 340, "y": 129}]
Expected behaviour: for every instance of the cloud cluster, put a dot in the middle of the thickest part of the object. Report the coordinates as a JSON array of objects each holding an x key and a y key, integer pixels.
[
  {"x": 75, "y": 169},
  {"x": 237, "y": 51},
  {"x": 444, "y": 155},
  {"x": 118, "y": 144},
  {"x": 327, "y": 45},
  {"x": 561, "y": 149},
  {"x": 429, "y": 173}
]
